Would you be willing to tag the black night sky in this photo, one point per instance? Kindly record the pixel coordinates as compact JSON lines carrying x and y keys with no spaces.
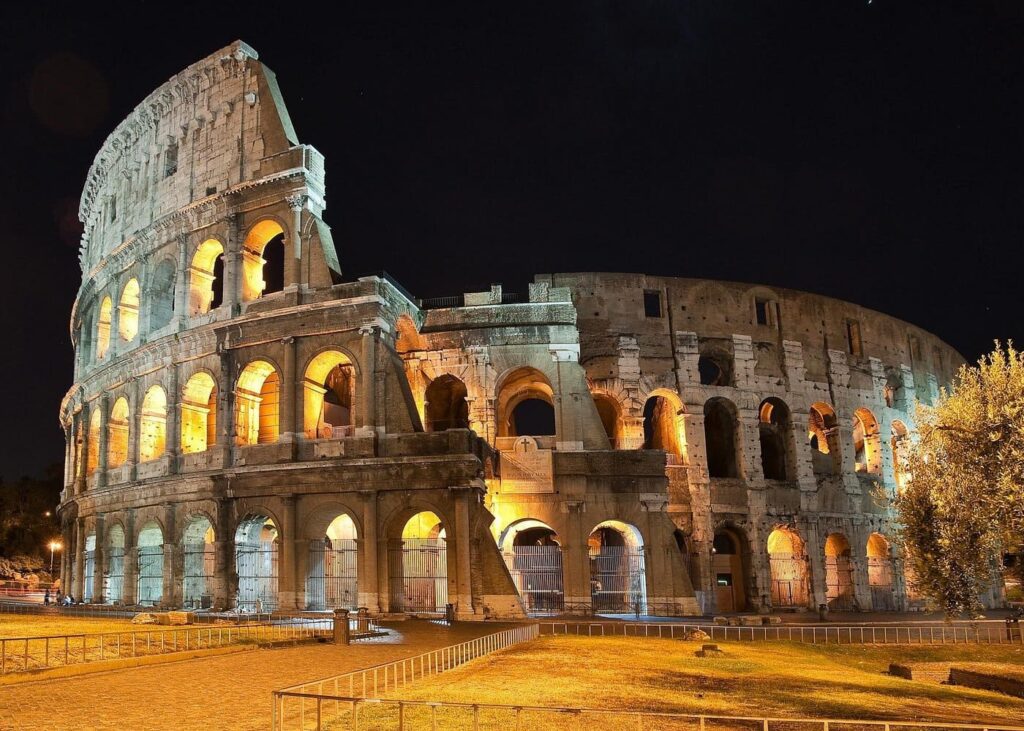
{"x":871,"y":151}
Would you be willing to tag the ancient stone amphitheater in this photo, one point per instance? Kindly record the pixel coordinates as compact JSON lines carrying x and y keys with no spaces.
{"x":248,"y":428}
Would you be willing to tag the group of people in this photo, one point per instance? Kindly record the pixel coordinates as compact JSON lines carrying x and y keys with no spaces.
{"x":59,"y":599}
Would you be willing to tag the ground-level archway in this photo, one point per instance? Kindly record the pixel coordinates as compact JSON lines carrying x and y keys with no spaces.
{"x":150,"y":582}
{"x":113,"y":574}
{"x":618,"y":575}
{"x":534,"y":558}
{"x":838,"y":573}
{"x":333,"y":578}
{"x":256,"y":559}
{"x":880,"y":578}
{"x":788,"y":564}
{"x":727,"y":567}
{"x":418,"y":566}
{"x":198,"y":564}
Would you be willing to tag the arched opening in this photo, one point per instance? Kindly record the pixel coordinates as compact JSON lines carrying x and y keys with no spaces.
{"x":788,"y":563}
{"x":150,"y":549}
{"x":727,"y":566}
{"x":714,"y":370}
{"x":89,"y":571}
{"x":534,"y":558}
{"x":608,"y":411}
{"x":103,"y":327}
{"x":113,"y":575}
{"x":329,"y":396}
{"x":618,"y":576}
{"x":117,"y":434}
{"x":198,"y":413}
{"x":446,"y":406}
{"x":418,"y":570}
{"x":206,"y":278}
{"x":257,"y":395}
{"x":776,"y":437}
{"x":880,"y":573}
{"x":153,"y":430}
{"x":256,"y":551}
{"x":720,"y":438}
{"x":333,"y":578}
{"x":525,"y":405}
{"x":865,"y":442}
{"x":261,"y":275}
{"x":199,"y":560}
{"x":161,"y":295}
{"x":663,"y":425}
{"x":823,"y":436}
{"x":128,"y":311}
{"x":899,"y":442}
{"x":92,"y":450}
{"x":838,"y":573}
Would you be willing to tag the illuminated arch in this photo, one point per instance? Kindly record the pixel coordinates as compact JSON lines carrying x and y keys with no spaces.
{"x":838,"y":572}
{"x":198,"y":562}
{"x":880,"y":573}
{"x":206,"y":278}
{"x":255,"y":275}
{"x":720,"y":438}
{"x":128,"y":311}
{"x":618,"y":575}
{"x":92,"y":453}
{"x":113,"y":569}
{"x":867,"y":457}
{"x":153,"y":429}
{"x":117,"y":434}
{"x":103,"y":327}
{"x":525,"y":386}
{"x":778,"y":459}
{"x":332,"y":579}
{"x":899,"y":442}
{"x":823,"y":437}
{"x":787,"y":562}
{"x":445,"y":405}
{"x":198,"y":413}
{"x":663,"y":423}
{"x":257,"y":542}
{"x":329,"y":395}
{"x":258,"y":400}
{"x":150,"y":580}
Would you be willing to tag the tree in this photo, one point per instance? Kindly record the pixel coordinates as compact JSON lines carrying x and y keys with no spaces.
{"x":28,"y":510}
{"x":965,"y":493}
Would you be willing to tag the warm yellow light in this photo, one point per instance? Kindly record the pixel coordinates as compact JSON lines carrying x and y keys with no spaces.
{"x":55,"y":546}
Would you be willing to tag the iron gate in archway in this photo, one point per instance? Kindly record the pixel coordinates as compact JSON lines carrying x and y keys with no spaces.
{"x":418,"y":572}
{"x":537,"y":574}
{"x":333,"y":579}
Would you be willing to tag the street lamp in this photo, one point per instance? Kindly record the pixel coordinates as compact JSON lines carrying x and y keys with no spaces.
{"x":54,"y":546}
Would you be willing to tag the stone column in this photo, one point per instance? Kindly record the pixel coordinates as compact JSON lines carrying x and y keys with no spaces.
{"x":131,"y":561}
{"x":134,"y":427}
{"x":79,"y":578}
{"x":575,"y":559}
{"x":287,"y":427}
{"x":369,"y":551}
{"x":82,"y":435}
{"x":172,"y":445}
{"x":226,"y":407}
{"x":286,"y":583}
{"x":367,"y":415}
{"x":225,"y":580}
{"x":103,"y":404}
{"x":67,"y":544}
{"x":167,"y":598}
{"x":294,"y":254}
{"x":115,"y":321}
{"x":859,"y":559}
{"x":232,"y":265}
{"x":748,"y":446}
{"x":99,"y":559}
{"x":181,"y":283}
{"x":463,"y":548}
{"x":814,"y":546}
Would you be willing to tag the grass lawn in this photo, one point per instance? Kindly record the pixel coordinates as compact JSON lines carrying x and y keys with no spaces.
{"x":774,"y":678}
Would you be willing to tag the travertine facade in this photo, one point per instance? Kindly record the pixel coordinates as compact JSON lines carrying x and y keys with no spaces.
{"x":249,"y":429}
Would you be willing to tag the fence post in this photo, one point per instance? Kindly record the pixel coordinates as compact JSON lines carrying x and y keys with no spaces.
{"x":341,"y":633}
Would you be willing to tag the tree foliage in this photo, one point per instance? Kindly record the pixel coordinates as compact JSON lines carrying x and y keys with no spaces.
{"x":25,"y":527}
{"x":965,"y":493}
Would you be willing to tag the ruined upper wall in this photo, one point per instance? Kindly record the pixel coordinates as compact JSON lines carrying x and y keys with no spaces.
{"x":213,"y":127}
{"x":610,"y":305}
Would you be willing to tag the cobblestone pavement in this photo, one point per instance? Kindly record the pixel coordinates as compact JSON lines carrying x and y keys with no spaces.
{"x":211,"y":694}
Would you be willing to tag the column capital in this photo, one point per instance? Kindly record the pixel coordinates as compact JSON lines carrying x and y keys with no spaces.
{"x":297,"y":201}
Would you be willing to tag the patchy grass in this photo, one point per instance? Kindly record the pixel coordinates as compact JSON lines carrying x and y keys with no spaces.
{"x":776,"y":678}
{"x":38,"y":625}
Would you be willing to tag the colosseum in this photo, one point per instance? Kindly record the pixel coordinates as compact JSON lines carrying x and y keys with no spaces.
{"x":249,"y":429}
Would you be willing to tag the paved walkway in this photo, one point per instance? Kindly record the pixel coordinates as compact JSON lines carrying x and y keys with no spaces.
{"x":211,"y":694}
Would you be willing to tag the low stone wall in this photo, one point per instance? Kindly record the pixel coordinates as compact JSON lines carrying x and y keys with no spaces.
{"x":985,"y":681}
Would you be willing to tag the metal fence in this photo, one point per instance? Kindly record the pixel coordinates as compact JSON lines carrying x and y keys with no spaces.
{"x":537,"y":574}
{"x":303,"y":706}
{"x":617,"y":579}
{"x":350,"y":712}
{"x":982,"y":633}
{"x":419,"y":575}
{"x":333,"y":580}
{"x":21,"y":654}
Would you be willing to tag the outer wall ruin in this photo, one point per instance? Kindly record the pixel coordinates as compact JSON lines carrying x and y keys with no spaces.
{"x":248,"y":429}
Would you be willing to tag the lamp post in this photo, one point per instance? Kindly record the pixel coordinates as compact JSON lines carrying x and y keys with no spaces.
{"x":54,"y":546}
